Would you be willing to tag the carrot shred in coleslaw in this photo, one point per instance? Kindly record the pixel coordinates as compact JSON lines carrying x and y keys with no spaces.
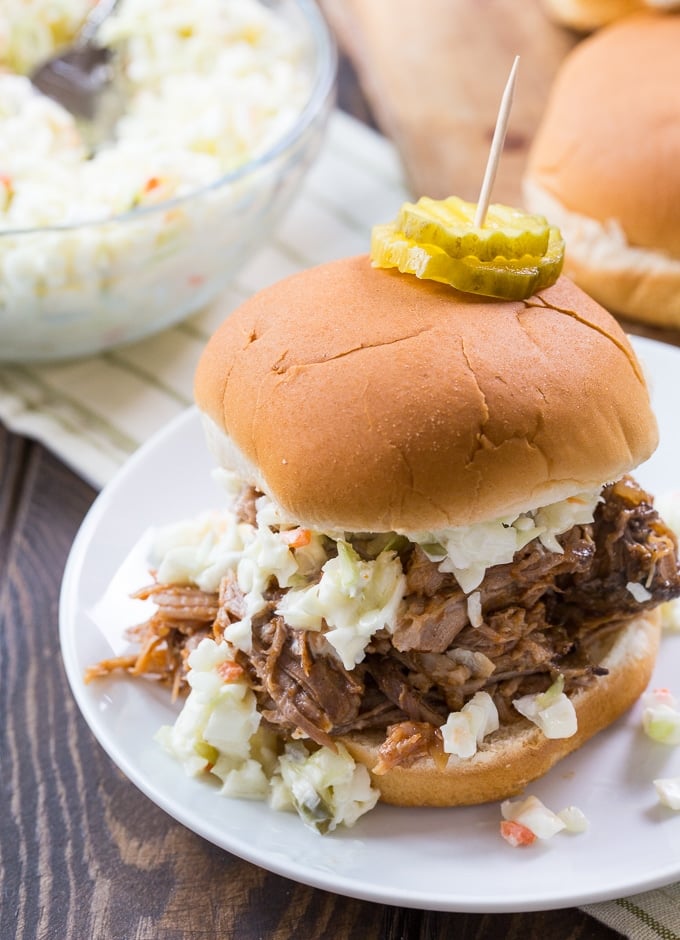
{"x":517,"y":834}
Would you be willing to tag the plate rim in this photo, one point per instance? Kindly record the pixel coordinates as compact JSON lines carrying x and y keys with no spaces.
{"x":335,"y":882}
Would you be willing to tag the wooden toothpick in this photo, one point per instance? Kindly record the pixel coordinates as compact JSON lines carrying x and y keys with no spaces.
{"x":496,"y":147}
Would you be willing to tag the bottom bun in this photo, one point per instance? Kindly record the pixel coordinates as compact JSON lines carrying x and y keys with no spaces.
{"x":514,"y":756}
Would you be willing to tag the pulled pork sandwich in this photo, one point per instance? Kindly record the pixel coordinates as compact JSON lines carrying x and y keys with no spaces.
{"x":437,"y":561}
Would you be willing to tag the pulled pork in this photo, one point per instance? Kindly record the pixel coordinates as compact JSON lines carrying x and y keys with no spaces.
{"x":542,"y":614}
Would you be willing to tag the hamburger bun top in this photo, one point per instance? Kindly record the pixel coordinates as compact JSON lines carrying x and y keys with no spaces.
{"x":368,"y":400}
{"x":608,"y":146}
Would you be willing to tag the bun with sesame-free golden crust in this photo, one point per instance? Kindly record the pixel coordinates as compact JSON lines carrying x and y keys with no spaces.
{"x":604,"y":166}
{"x":368,"y":400}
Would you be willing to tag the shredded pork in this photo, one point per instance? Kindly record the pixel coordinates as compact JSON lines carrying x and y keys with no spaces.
{"x":543,"y":614}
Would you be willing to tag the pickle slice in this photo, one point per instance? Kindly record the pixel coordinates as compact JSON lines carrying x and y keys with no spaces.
{"x":506,"y":278}
{"x":449,"y":224}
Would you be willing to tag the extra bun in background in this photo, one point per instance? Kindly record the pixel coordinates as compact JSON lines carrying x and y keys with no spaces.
{"x":368,"y":400}
{"x":587,"y":15}
{"x":605,"y":167}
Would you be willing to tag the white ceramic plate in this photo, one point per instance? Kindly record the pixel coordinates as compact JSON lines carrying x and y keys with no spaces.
{"x":433,"y":859}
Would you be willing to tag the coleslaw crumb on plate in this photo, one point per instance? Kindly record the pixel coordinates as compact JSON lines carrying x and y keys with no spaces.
{"x":661,"y":717}
{"x":668,"y":792}
{"x":525,"y":821}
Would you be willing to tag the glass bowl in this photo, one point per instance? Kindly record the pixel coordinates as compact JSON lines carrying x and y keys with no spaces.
{"x":74,"y":290}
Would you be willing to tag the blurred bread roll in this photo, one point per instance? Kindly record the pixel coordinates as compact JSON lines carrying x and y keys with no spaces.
{"x":605,"y":166}
{"x":587,"y":15}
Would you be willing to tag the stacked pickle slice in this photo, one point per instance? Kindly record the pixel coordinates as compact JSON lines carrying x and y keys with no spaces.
{"x":512,"y":256}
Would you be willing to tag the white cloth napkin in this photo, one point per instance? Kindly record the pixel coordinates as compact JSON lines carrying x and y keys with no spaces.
{"x":93,"y":413}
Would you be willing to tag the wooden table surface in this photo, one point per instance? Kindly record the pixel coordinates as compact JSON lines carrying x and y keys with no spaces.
{"x":83,"y":853}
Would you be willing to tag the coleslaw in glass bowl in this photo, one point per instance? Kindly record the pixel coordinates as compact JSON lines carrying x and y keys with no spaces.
{"x":226,"y":102}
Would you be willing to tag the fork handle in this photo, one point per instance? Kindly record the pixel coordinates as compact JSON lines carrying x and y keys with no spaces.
{"x":96,"y":16}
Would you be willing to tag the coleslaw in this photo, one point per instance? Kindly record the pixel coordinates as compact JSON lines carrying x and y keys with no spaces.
{"x":207,"y":86}
{"x":93,"y":250}
{"x":467,"y":551}
{"x":552,"y":711}
{"x":219,"y":732}
{"x":525,"y":821}
{"x":661,"y":716}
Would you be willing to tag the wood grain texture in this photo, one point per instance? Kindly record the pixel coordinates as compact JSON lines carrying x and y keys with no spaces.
{"x":433,"y":73}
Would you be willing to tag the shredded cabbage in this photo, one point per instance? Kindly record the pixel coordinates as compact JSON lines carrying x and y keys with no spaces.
{"x":354,"y":598}
{"x":199,"y":551}
{"x":661,"y":723}
{"x":552,"y":711}
{"x":574,"y":819}
{"x":660,"y":716}
{"x":467,"y":551}
{"x":326,"y":789}
{"x":474,"y":609}
{"x":639,"y":592}
{"x":349,"y":597}
{"x":32,"y":30}
{"x":218,"y":729}
{"x":465,"y":730}
{"x":208,"y":85}
{"x":533,"y":814}
{"x":668,"y":791}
